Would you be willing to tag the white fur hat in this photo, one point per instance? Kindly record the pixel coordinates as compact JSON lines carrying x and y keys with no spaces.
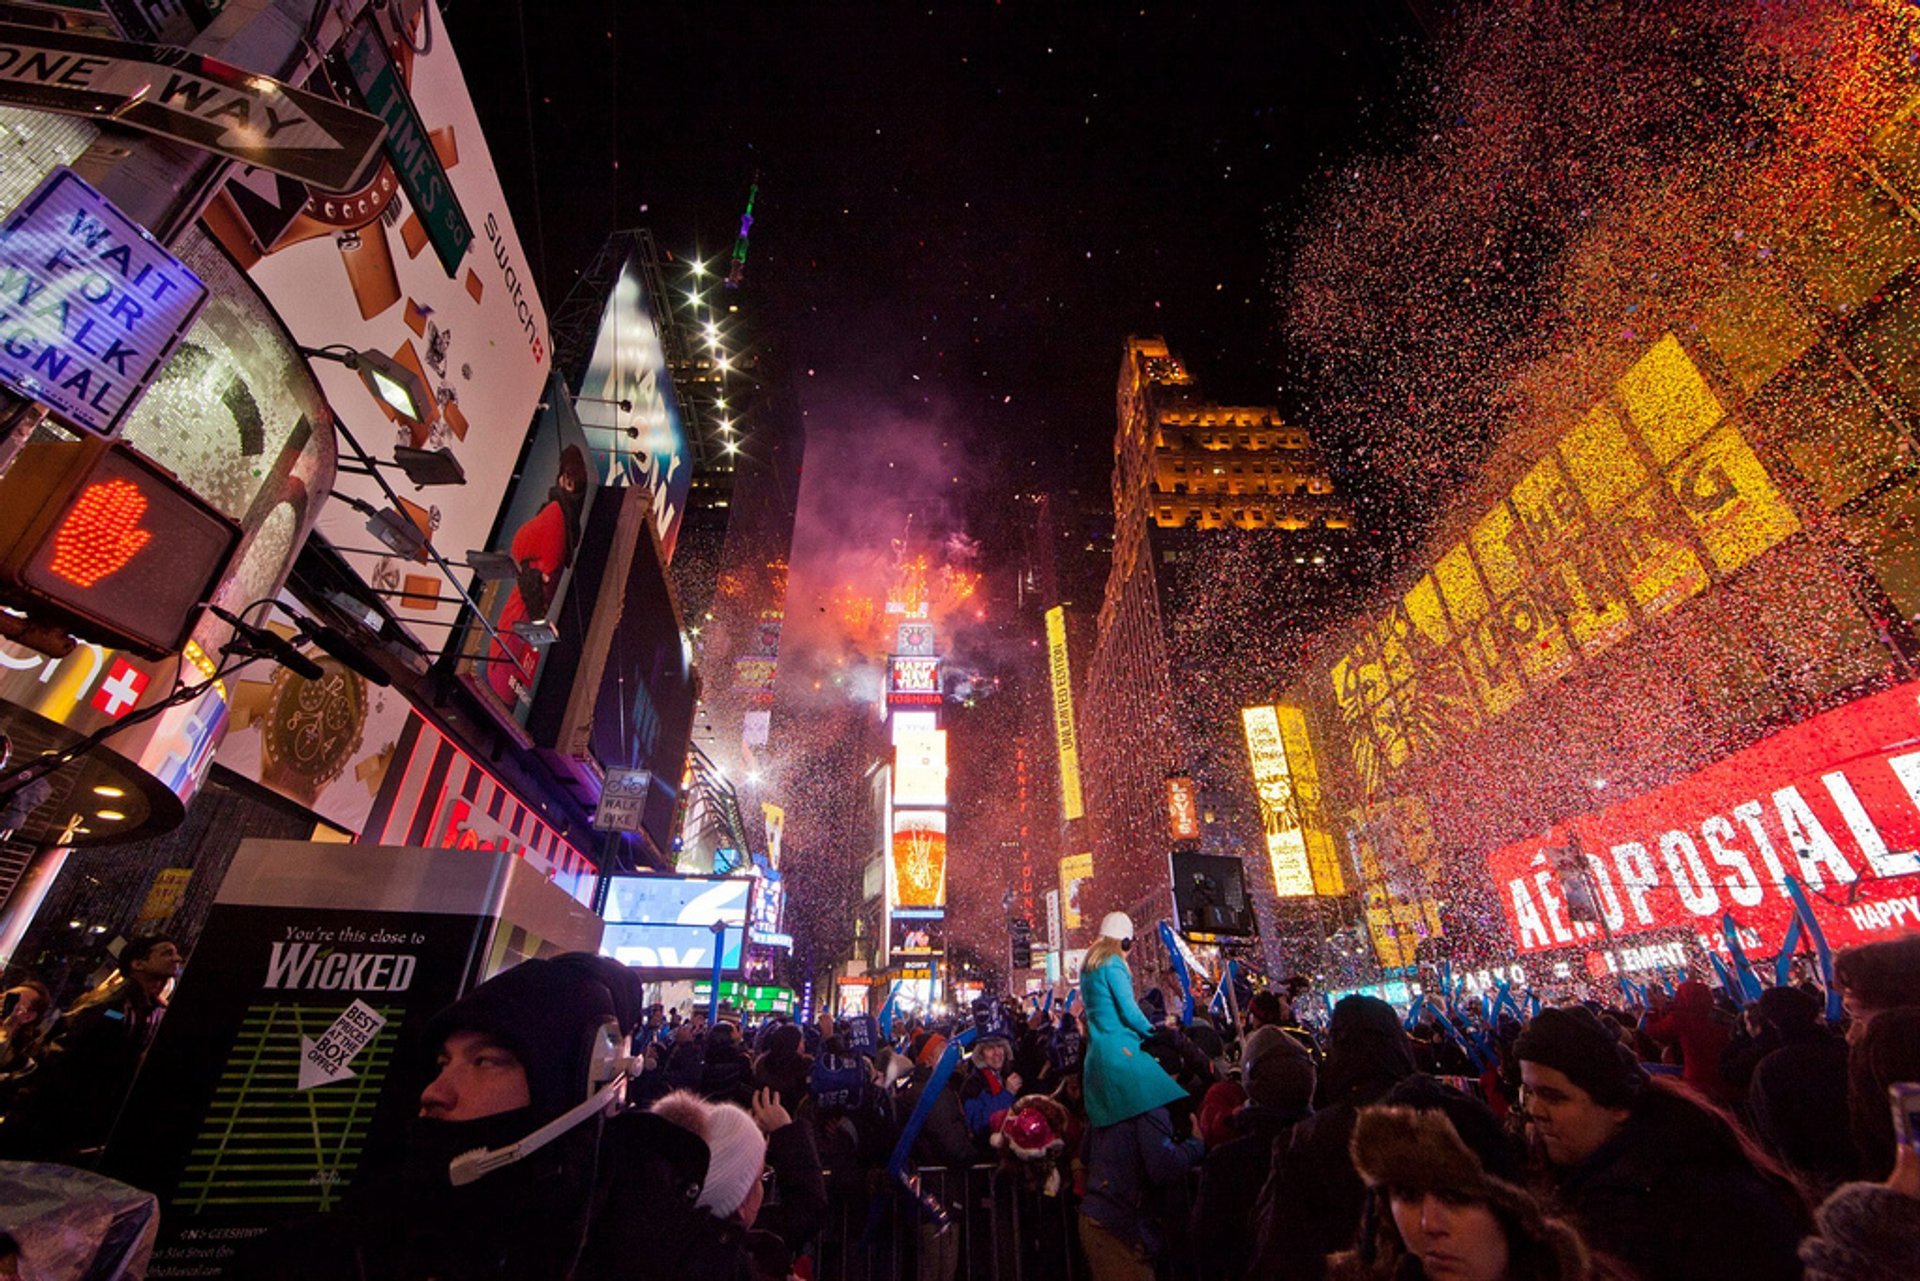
{"x":736,"y":1149}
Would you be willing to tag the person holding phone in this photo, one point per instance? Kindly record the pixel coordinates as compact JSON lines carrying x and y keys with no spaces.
{"x":1871,"y":1231}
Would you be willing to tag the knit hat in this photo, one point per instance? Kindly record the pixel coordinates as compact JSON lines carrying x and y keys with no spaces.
{"x":1281,"y":1076}
{"x":1406,"y":1150}
{"x":736,"y":1149}
{"x":1867,"y":1233}
{"x":1789,"y":1009}
{"x":548,"y":1013}
{"x":932,"y":1046}
{"x":1576,"y":1044}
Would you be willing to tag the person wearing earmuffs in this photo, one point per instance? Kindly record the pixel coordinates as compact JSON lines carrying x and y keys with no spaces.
{"x":523,"y":1163}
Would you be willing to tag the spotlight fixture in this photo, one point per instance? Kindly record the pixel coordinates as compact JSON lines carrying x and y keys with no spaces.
{"x":536,"y":631}
{"x":429,"y":466}
{"x":392,"y":383}
{"x":493,"y":567}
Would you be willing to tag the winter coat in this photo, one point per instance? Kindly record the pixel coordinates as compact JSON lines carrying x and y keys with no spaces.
{"x":1231,"y":1177}
{"x":1672,"y":1199}
{"x":797,"y":1210}
{"x":944,"y":1139}
{"x":982,"y":1094}
{"x":1127,"y":1164}
{"x":66,"y":1109}
{"x":1798,"y":1100}
{"x":1312,"y":1201}
{"x":1867,"y":1233}
{"x":726,"y":1074}
{"x":1119,"y":1078}
{"x":1692,"y":1024}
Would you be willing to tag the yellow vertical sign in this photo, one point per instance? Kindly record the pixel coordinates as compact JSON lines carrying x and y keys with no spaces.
{"x":1323,"y":856}
{"x":1279,"y":811}
{"x":1063,"y":732}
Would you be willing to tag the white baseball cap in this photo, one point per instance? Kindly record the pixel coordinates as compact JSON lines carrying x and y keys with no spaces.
{"x":1116,"y":925}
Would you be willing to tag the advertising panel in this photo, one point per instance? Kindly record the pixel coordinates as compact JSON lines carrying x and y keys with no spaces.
{"x":913,"y":682}
{"x":919,"y":858}
{"x":359,"y":269}
{"x":1834,"y":800}
{"x":540,"y":530}
{"x":1075,"y":870}
{"x":663,"y":924}
{"x":1279,"y":809}
{"x":1071,"y":803}
{"x":917,"y":933}
{"x":920,"y":768}
{"x":1183,"y":809}
{"x":1323,"y":854}
{"x":1624,"y":520}
{"x":625,"y":388}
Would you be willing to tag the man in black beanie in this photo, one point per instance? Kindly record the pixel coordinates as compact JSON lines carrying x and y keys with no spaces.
{"x":522,"y":1164}
{"x":1655,"y":1175}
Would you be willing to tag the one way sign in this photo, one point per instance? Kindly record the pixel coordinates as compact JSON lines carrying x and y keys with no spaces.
{"x":191,"y":99}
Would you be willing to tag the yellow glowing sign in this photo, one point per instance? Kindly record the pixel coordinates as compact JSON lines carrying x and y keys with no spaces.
{"x":1622,"y":521}
{"x":919,"y":858}
{"x":1063,"y":732}
{"x":1074,"y":870}
{"x":1279,"y":809}
{"x":1323,"y":855}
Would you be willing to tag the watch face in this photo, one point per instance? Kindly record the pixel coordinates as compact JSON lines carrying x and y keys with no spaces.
{"x":313,"y":728}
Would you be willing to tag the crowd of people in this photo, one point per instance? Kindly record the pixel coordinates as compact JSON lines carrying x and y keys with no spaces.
{"x":568,"y":1130}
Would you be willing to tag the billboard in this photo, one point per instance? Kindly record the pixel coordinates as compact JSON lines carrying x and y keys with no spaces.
{"x":912,"y":681}
{"x":920,"y":768}
{"x":663,"y":924}
{"x":1071,"y":802}
{"x":1626,"y":517}
{"x":1279,"y":809}
{"x":358,"y":269}
{"x":919,"y":858}
{"x":1075,"y":870}
{"x":625,"y":388}
{"x":541,"y":530}
{"x":1323,"y":854}
{"x":1183,"y":809}
{"x":913,"y":933}
{"x":1834,"y":800}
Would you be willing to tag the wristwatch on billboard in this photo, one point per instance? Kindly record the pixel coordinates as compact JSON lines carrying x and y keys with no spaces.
{"x":311,"y":731}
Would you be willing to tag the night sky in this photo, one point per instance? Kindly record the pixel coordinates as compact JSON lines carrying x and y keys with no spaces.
{"x":968,"y":207}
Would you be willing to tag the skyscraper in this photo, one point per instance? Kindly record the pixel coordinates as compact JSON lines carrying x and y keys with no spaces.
{"x":1228,"y":539}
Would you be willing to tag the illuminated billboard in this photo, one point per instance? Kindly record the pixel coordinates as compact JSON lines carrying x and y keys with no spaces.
{"x":625,"y":389}
{"x":1279,"y":810}
{"x":919,"y":858}
{"x":1068,"y":741}
{"x":913,"y":681}
{"x":355,"y":269}
{"x":1323,"y":854}
{"x":1626,"y":517}
{"x":1183,"y":809}
{"x":1834,"y":800}
{"x":920,"y":768}
{"x":914,"y":933}
{"x":664,"y":924}
{"x":1075,"y":871}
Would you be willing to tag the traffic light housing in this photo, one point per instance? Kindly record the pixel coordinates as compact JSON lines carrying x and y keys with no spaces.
{"x":1022,"y":945}
{"x":98,"y":539}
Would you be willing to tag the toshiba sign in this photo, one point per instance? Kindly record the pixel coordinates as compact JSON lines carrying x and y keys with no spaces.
{"x":1834,"y":800}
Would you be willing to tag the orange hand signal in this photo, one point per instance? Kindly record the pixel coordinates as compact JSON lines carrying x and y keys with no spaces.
{"x":101,"y":533}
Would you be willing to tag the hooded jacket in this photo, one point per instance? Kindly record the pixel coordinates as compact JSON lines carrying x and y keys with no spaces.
{"x":1312,"y":1200}
{"x":1692,"y":1024}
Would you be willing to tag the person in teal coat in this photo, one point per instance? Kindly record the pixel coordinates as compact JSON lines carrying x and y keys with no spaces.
{"x":1119,"y":1078}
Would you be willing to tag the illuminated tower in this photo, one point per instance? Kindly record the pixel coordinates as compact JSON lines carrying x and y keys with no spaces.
{"x":1196,"y":486}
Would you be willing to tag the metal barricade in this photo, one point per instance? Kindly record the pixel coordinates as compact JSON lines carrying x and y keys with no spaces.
{"x":1000,"y":1229}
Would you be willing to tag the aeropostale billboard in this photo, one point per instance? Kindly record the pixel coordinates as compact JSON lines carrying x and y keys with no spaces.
{"x":1835,"y":801}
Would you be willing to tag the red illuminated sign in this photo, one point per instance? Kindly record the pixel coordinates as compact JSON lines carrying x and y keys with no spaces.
{"x":101,"y":533}
{"x":102,"y":541}
{"x":913,"y":680}
{"x":1834,"y":801}
{"x":1183,"y":809}
{"x":121,"y":689}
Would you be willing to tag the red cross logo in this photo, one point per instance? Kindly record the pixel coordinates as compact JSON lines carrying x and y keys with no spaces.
{"x":121,"y":689}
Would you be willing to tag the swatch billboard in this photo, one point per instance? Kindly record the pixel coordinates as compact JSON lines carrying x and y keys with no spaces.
{"x":1834,"y":801}
{"x":627,"y":406}
{"x":367,"y":269}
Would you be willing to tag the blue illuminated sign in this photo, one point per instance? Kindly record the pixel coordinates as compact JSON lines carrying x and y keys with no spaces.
{"x":90,"y":304}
